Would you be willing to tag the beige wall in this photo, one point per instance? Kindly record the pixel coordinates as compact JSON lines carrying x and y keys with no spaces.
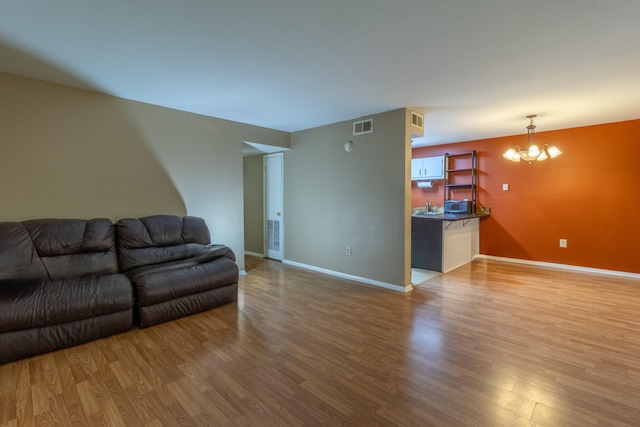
{"x":335,"y":199}
{"x":71,"y":153}
{"x":253,"y":204}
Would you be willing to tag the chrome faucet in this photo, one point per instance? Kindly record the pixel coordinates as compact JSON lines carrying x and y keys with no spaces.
{"x":427,"y":205}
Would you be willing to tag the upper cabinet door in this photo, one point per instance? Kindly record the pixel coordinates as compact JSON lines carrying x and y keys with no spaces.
{"x":416,"y":169}
{"x":434,"y":167}
{"x":427,"y":168}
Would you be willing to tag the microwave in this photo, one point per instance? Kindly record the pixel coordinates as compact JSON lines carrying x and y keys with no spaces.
{"x":457,"y":207}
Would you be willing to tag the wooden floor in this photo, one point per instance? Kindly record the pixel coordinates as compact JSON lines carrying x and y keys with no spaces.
{"x":488,"y":344}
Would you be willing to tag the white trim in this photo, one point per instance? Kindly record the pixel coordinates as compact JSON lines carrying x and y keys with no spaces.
{"x":350,"y":277}
{"x":243,"y":273}
{"x":561,"y":266}
{"x":254,"y":254}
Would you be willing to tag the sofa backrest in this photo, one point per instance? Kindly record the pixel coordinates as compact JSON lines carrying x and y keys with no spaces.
{"x":159,"y":238}
{"x":18,"y":256}
{"x":57,"y":248}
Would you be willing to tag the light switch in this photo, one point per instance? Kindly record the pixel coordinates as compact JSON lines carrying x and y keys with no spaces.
{"x":505,"y":187}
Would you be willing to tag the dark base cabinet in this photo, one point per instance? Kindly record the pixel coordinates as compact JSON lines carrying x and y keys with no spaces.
{"x":426,"y":244}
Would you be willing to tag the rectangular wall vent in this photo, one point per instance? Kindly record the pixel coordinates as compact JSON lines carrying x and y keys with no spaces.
{"x":417,"y":120}
{"x":362,"y":127}
{"x":273,"y":235}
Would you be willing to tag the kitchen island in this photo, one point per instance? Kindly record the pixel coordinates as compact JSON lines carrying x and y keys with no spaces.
{"x":442,"y":241}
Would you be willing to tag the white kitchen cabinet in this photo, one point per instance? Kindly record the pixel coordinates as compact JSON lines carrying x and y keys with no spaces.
{"x":427,"y":168}
{"x":461,"y":242}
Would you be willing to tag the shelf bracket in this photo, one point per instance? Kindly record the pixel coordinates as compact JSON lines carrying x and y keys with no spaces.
{"x":465,"y":222}
{"x":447,"y":224}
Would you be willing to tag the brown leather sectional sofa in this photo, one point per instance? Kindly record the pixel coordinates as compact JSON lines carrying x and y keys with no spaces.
{"x":65,"y":282}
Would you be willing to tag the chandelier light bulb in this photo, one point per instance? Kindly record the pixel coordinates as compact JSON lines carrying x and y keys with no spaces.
{"x":553,"y":151}
{"x":509,"y":154}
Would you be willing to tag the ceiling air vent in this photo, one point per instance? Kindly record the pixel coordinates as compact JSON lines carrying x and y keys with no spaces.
{"x":362,"y":127}
{"x":417,"y":120}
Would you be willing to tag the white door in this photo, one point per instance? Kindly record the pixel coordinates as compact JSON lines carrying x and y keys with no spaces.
{"x":273,"y":203}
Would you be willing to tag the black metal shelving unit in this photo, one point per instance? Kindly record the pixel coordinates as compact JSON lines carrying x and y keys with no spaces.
{"x":463,"y":176}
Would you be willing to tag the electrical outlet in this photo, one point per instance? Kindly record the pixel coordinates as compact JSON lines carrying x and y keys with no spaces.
{"x":563,"y":243}
{"x":348,"y":251}
{"x":505,"y":187}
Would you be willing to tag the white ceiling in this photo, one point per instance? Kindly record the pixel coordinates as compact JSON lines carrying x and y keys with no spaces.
{"x":476,"y":68}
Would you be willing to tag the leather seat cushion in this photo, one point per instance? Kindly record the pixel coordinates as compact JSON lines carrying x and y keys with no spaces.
{"x":171,"y":280}
{"x":40,"y":302}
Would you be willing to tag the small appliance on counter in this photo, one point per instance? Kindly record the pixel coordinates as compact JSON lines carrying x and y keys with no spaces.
{"x":458,"y":207}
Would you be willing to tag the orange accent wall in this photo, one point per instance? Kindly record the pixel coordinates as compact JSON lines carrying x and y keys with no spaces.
{"x":589,"y":195}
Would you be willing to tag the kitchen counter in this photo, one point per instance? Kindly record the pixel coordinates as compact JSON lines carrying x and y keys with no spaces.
{"x":449,"y":216}
{"x":441,"y":216}
{"x":442,"y":241}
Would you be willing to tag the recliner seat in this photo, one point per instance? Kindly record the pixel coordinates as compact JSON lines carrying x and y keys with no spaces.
{"x":174,"y":269}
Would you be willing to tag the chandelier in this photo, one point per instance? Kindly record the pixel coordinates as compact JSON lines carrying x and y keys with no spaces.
{"x":531,"y":152}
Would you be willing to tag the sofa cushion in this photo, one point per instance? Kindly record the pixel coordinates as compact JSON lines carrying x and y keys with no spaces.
{"x":35,"y":303}
{"x":54,"y":237}
{"x":159,"y":239}
{"x":18,"y":256}
{"x":57,"y":248}
{"x":202,"y":255}
{"x":156,"y":284}
{"x":74,"y":247}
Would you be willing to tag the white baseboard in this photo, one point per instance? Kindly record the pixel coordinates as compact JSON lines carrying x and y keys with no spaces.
{"x":350,"y":277}
{"x":254,"y":254}
{"x":561,"y":266}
